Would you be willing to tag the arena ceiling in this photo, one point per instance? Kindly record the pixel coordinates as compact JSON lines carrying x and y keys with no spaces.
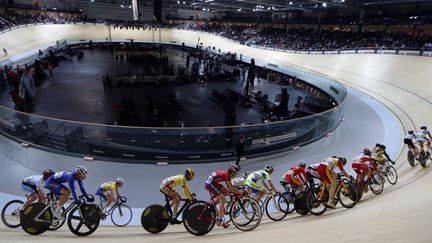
{"x":266,"y":5}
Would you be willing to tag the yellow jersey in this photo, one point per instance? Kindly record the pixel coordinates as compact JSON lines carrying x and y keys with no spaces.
{"x":109,"y":186}
{"x":178,"y":180}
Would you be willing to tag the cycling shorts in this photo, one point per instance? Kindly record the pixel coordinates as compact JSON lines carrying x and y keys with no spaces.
{"x":215,"y":189}
{"x":27,"y":188}
{"x":360,"y":167}
{"x":409,"y":142}
{"x":55,"y":187}
{"x":294,"y":182}
{"x":100,"y":192}
{"x":325,"y":173}
{"x":168,"y":191}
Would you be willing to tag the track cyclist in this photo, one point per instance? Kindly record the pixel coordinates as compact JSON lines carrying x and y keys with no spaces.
{"x":240,"y":182}
{"x":108,"y":191}
{"x":377,"y":155}
{"x":33,"y":187}
{"x":167,"y":189}
{"x":296,"y":176}
{"x":408,"y":140}
{"x":217,"y":190}
{"x":326,"y":171}
{"x":55,"y":184}
{"x":423,"y":136}
{"x":262,"y":176}
{"x":362,"y":165}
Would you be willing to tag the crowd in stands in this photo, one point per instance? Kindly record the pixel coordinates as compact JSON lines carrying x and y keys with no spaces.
{"x":293,"y":38}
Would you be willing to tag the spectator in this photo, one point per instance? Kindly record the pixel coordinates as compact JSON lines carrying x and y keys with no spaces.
{"x":240,"y":149}
{"x":27,"y":88}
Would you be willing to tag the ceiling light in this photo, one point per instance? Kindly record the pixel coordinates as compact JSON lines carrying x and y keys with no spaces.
{"x":290,"y":3}
{"x":324,"y":4}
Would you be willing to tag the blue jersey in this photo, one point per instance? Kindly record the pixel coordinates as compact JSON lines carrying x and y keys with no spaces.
{"x":70,"y":178}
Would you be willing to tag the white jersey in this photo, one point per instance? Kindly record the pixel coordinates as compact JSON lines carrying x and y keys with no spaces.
{"x":410,"y":136}
{"x":238,"y":182}
{"x":421,"y":135}
{"x":36,"y":180}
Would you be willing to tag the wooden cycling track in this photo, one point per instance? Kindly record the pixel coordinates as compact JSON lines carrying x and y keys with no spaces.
{"x":401,"y":83}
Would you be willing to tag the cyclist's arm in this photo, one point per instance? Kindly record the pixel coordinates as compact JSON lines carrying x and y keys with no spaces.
{"x":186,"y":191}
{"x":39,"y":186}
{"x":429,"y":135}
{"x":272,"y":186}
{"x":387,"y":156}
{"x":81,"y":185}
{"x":266,"y":186}
{"x":71,"y":183}
{"x":342,"y":169}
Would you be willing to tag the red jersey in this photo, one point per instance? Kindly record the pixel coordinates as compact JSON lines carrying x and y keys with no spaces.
{"x":218,"y":177}
{"x":297,"y":172}
{"x":364,"y":159}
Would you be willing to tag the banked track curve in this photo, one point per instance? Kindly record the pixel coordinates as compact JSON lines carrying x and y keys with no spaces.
{"x":401,"y":83}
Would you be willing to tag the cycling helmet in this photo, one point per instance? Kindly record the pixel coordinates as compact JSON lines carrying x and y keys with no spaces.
{"x":233,"y":168}
{"x":367,"y":152}
{"x":47,"y":173}
{"x":120,"y":181}
{"x":190,"y":173}
{"x":410,"y":132}
{"x":82,"y":170}
{"x":423,"y":128}
{"x":269,"y":168}
{"x":302,"y":164}
{"x":343,"y":160}
{"x":377,"y":145}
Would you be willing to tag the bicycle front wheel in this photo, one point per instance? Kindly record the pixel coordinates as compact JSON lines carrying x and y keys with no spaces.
{"x":391,"y":175}
{"x":348,"y":195}
{"x":376,"y":184}
{"x":121,"y":215}
{"x":11,"y":215}
{"x":286,"y":202}
{"x":276,"y":210}
{"x":246,"y":214}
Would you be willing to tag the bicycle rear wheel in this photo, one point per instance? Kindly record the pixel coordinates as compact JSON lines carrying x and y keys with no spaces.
{"x":391,"y":175}
{"x":348,"y":195}
{"x":34,"y":221}
{"x":376,"y":184}
{"x":121,"y":215}
{"x":286,"y":202}
{"x":246,"y":214}
{"x":155,"y":218}
{"x":423,"y":159}
{"x":273,"y":208}
{"x":11,"y":215}
{"x":315,"y":205}
{"x":411,"y":158}
{"x":199,"y":218}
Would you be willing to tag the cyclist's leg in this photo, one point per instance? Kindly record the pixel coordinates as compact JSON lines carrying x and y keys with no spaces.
{"x":109,"y":200}
{"x":32,"y":195}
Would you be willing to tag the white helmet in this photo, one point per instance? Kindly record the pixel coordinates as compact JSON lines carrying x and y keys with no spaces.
{"x":120,"y":181}
{"x":82,"y":170}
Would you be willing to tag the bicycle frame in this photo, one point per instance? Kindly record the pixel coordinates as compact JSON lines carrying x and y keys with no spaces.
{"x":233,"y":198}
{"x":51,"y":205}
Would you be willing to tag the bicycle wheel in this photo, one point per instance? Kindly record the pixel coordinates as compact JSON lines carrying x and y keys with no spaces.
{"x":155,"y":218}
{"x":199,"y":218}
{"x":11,"y":215}
{"x":34,"y":220}
{"x":246,"y":214}
{"x":286,"y":202}
{"x":315,"y":205}
{"x":273,"y":208}
{"x":376,"y":184}
{"x":423,"y":159}
{"x":300,"y":203}
{"x":391,"y":175}
{"x":411,"y":158}
{"x":57,"y":224}
{"x":348,"y":195}
{"x":359,"y":188}
{"x":121,"y":215}
{"x":87,"y":215}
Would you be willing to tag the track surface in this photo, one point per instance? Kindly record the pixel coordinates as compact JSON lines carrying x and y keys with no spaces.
{"x":401,"y":214}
